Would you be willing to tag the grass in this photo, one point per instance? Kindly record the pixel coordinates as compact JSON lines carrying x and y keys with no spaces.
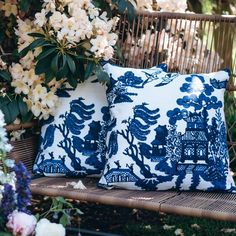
{"x":132,"y":222}
{"x":186,"y":225}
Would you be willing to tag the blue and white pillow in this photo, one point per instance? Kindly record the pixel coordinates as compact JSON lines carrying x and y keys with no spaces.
{"x":167,"y":131}
{"x":73,"y":141}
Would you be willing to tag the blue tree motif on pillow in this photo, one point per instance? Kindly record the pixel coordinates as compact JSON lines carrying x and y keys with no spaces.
{"x":137,"y":127}
{"x":130,"y":80}
{"x":75,"y":146}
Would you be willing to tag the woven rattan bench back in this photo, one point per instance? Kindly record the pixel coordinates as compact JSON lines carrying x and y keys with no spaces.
{"x":187,"y":43}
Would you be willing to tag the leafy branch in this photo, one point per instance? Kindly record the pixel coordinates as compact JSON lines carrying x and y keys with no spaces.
{"x":62,"y":207}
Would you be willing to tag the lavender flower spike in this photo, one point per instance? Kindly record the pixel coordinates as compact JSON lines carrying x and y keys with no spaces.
{"x":8,"y":203}
{"x":22,"y":187}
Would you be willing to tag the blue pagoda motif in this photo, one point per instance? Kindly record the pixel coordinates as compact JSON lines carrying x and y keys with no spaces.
{"x":159,"y":143}
{"x":53,"y":167}
{"x":194,"y":143}
{"x":120,"y":175}
{"x":91,"y":139}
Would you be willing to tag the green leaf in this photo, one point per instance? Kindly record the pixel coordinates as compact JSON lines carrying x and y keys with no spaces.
{"x":23,"y":108}
{"x":4,"y":101}
{"x":78,"y":211}
{"x":64,"y":220}
{"x":5,"y":234}
{"x":37,"y":216}
{"x":54,"y":63}
{"x":102,"y":76}
{"x":25,"y":5}
{"x":7,"y":115}
{"x":28,"y":117}
{"x":71,"y":63}
{"x":79,"y":70}
{"x":36,"y":43}
{"x":131,"y":11}
{"x":122,"y":5}
{"x":5,"y":75}
{"x":89,"y":69}
{"x":62,"y":72}
{"x":37,"y":35}
{"x":81,"y":57}
{"x":61,"y":199}
{"x":45,"y":52}
{"x":14,"y":109}
{"x":72,"y":80}
{"x":49,"y":75}
{"x":43,"y":65}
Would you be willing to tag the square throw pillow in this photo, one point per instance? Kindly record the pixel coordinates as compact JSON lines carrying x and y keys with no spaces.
{"x":73,"y":141}
{"x":167,"y":131}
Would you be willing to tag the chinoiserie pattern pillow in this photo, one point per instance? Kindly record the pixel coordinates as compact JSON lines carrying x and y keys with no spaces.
{"x":73,"y":141}
{"x":167,"y":131}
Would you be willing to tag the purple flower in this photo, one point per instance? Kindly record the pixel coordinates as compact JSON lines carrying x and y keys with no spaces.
{"x":23,"y":178}
{"x":8,"y":204}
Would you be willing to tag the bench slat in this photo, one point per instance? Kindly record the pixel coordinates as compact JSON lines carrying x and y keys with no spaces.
{"x":219,"y":206}
{"x":127,"y":198}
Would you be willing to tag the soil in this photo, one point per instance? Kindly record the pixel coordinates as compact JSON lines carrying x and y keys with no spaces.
{"x":99,"y":218}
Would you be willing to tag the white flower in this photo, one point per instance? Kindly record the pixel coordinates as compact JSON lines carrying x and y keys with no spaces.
{"x":9,"y":163}
{"x":228,"y":230}
{"x":9,"y":178}
{"x":3,"y":65}
{"x":172,"y":5}
{"x":40,"y":18}
{"x":9,"y":9}
{"x":16,"y":70}
{"x":195,"y":226}
{"x":36,"y":109}
{"x":20,"y":87}
{"x":143,"y":4}
{"x":39,"y":93}
{"x":179,"y":232}
{"x":56,"y":20}
{"x":24,"y":28}
{"x":27,"y":61}
{"x":93,"y":12}
{"x":168,"y":227}
{"x":52,"y":229}
{"x":4,"y":146}
{"x":108,"y":53}
{"x":16,"y":135}
{"x":49,"y":5}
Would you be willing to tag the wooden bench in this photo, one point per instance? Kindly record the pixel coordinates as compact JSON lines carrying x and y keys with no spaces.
{"x":217,"y":32}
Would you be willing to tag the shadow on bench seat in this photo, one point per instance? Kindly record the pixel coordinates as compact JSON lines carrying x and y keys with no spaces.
{"x":218,"y":206}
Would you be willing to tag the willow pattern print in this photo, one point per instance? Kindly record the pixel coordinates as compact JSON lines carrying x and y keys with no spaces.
{"x":169,"y":131}
{"x":73,"y":141}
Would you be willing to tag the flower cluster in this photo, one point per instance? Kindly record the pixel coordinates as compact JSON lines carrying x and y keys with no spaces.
{"x":172,"y":5}
{"x":15,"y":196}
{"x":76,"y":22}
{"x":143,"y":4}
{"x":9,"y":7}
{"x":71,"y":30}
{"x":41,"y":99}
